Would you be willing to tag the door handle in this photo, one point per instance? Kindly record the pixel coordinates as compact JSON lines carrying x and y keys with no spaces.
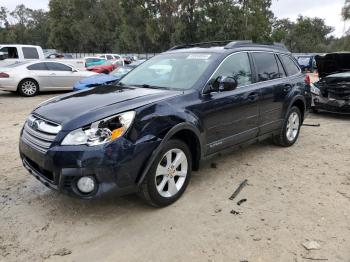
{"x":287,"y":88}
{"x":253,"y":96}
{"x":52,"y":74}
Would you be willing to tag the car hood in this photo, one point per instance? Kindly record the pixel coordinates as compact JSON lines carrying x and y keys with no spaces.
{"x":333,"y":63}
{"x":98,"y":79}
{"x":78,"y":109}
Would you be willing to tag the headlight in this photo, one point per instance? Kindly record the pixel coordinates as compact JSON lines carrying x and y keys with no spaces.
{"x":315,"y":90}
{"x":101,"y":132}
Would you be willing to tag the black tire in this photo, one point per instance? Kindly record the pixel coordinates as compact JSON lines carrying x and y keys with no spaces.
{"x":28,"y":88}
{"x":148,"y":189}
{"x":106,"y":72}
{"x":282,"y":139}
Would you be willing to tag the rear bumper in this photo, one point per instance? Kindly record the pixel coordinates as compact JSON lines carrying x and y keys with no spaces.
{"x":7,"y":84}
{"x":115,"y":167}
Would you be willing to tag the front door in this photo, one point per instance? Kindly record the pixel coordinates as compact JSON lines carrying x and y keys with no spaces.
{"x":62,"y":76}
{"x":231,"y":117}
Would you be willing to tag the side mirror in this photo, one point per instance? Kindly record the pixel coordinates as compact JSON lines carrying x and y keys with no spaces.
{"x":224,"y":83}
{"x":2,"y":56}
{"x":74,"y":70}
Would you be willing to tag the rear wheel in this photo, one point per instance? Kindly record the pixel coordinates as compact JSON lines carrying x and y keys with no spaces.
{"x":291,"y":128}
{"x":169,"y":175}
{"x":28,"y":87}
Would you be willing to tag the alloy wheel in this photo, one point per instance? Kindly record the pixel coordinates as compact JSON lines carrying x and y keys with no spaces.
{"x":171,"y":173}
{"x":293,"y":126}
{"x":29,"y":88}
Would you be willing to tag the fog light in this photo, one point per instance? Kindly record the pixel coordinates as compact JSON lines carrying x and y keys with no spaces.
{"x":86,"y":184}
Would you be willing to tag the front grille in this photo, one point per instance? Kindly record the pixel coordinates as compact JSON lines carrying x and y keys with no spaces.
{"x":41,"y":171}
{"x":39,"y":133}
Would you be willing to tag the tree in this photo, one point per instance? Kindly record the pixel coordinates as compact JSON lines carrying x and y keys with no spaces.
{"x":299,"y":38}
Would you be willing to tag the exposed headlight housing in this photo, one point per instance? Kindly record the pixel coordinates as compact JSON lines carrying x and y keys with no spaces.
{"x":315,"y":90}
{"x":101,"y":132}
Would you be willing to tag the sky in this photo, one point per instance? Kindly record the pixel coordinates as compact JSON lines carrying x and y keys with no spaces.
{"x":330,"y":10}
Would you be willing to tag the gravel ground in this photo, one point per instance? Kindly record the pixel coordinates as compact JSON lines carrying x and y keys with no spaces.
{"x":294,"y":195}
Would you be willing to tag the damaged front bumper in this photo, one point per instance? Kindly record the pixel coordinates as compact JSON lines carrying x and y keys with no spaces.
{"x":332,"y":100}
{"x":330,"y":104}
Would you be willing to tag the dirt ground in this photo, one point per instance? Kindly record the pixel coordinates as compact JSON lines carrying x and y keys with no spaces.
{"x":294,"y":195}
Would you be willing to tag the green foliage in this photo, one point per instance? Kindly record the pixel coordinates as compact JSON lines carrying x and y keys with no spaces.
{"x":303,"y":36}
{"x":156,"y":25}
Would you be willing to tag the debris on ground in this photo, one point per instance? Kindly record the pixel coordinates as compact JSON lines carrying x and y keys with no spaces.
{"x":311,"y":245}
{"x":312,"y":125}
{"x":315,"y":259}
{"x":218,"y":210}
{"x":344,"y":195}
{"x":213,"y":165}
{"x":240,"y":202}
{"x":62,"y":252}
{"x":243,"y":184}
{"x":234,"y":212}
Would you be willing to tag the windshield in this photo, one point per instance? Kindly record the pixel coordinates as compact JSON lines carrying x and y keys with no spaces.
{"x":121,"y":71}
{"x":177,"y":71}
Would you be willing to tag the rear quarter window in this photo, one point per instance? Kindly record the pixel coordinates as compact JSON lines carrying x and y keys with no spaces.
{"x":289,"y":65}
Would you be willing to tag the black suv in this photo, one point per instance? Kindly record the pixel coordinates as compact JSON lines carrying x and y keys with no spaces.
{"x":148,"y":132}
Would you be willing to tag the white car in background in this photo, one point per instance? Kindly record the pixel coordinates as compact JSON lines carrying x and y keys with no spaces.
{"x":110,"y":56}
{"x":28,"y":78}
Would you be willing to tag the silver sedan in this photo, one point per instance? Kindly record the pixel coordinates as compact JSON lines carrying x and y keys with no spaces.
{"x":28,"y":78}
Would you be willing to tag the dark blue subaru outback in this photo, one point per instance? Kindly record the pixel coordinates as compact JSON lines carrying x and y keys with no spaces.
{"x":148,"y":132}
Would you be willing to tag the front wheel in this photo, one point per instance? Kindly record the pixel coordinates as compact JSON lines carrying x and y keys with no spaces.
{"x":169,"y":175}
{"x":291,"y":128}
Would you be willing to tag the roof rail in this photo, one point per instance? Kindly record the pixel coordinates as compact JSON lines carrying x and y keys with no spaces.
{"x":236,"y":44}
{"x":202,"y":44}
{"x":230,"y":44}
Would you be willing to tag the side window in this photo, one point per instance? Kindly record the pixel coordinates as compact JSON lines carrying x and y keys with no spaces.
{"x":236,"y":66}
{"x":58,"y":67}
{"x":30,"y":53}
{"x":10,"y":52}
{"x":109,"y":57}
{"x":280,"y":67}
{"x":289,"y":65}
{"x":266,"y":66}
{"x":38,"y":66}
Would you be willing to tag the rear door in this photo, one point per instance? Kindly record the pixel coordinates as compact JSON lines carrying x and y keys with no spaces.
{"x":273,"y":85}
{"x":62,"y":76}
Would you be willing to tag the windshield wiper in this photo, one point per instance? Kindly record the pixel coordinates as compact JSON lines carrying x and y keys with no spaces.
{"x":151,"y":86}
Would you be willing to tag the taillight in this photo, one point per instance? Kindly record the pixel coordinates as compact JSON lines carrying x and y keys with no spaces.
{"x":4,"y":75}
{"x":307,"y":80}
